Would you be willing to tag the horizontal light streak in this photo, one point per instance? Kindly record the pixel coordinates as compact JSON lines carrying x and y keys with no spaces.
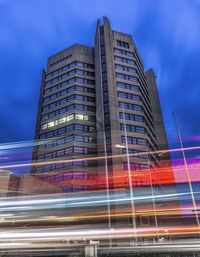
{"x":84,"y":200}
{"x":151,"y":212}
{"x":96,"y":233}
{"x":95,"y":158}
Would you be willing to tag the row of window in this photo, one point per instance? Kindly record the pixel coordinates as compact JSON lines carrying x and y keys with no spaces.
{"x":129,"y":96}
{"x":66,"y":151}
{"x":65,"y":176}
{"x":70,"y":73}
{"x":71,"y":138}
{"x":125,"y":68}
{"x":135,"y":166}
{"x":136,"y":153}
{"x":130,"y":106}
{"x":138,"y":118}
{"x":68,"y":128}
{"x":68,"y":118}
{"x":61,"y":60}
{"x":132,"y":128}
{"x":74,"y":188}
{"x":123,"y":52}
{"x":69,"y":66}
{"x":68,"y":82}
{"x":126,"y":77}
{"x":124,"y":60}
{"x":133,"y":140}
{"x":68,"y":91}
{"x":122,"y":44}
{"x":68,"y":99}
{"x":133,"y":117}
{"x":61,"y":165}
{"x":67,"y":109}
{"x":127,"y":86}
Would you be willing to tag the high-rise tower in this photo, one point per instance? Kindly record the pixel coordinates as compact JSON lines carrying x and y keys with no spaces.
{"x":98,"y":102}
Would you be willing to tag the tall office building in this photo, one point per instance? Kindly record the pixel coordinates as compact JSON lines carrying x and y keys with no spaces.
{"x":95,"y":102}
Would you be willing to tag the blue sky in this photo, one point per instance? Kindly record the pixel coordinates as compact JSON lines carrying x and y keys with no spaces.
{"x":166,"y":33}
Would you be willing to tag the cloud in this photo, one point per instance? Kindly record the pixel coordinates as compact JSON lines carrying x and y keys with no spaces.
{"x":166,"y":33}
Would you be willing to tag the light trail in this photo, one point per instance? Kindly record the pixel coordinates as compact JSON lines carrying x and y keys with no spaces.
{"x":150,"y":212}
{"x":96,"y":158}
{"x":91,"y":234}
{"x":84,"y":200}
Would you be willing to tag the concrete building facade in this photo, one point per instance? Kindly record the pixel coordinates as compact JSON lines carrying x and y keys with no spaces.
{"x":97,"y":102}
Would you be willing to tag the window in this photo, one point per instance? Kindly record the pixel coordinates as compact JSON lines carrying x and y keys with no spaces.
{"x":139,"y":118}
{"x":60,"y":141}
{"x":45,"y":108}
{"x":125,"y":68}
{"x":61,"y":130}
{"x":140,"y":129}
{"x":79,"y":163}
{"x":123,"y":52}
{"x":69,"y":128}
{"x":49,"y":145}
{"x":129,"y":96}
{"x":79,"y":97}
{"x":78,"y":175}
{"x":72,"y":72}
{"x":133,"y":140}
{"x":67,"y":189}
{"x":50,"y":124}
{"x":69,"y":139}
{"x":70,"y":117}
{"x":130,"y":106}
{"x":127,"y":86}
{"x":80,"y":80}
{"x":141,"y":141}
{"x":80,"y":64}
{"x":81,"y":72}
{"x":67,"y":67}
{"x":50,"y":134}
{"x":78,"y":149}
{"x":78,"y":127}
{"x":120,"y":76}
{"x":47,"y":179}
{"x":77,"y":188}
{"x":126,"y":77}
{"x":117,"y":51}
{"x":62,"y":120}
{"x":132,"y":128}
{"x":58,"y":178}
{"x":44,"y":126}
{"x":60,"y":153}
{"x":122,"y":44}
{"x":118,"y":67}
{"x":79,"y":138}
{"x":67,"y":176}
{"x":133,"y":166}
{"x":79,"y":107}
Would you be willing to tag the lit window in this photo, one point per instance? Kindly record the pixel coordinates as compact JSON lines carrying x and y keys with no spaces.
{"x":50,"y":124}
{"x":70,"y":117}
{"x":62,"y":120}
{"x":78,"y":116}
{"x":55,"y":122}
{"x":44,"y":126}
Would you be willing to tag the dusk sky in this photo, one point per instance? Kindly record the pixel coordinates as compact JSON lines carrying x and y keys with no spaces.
{"x":167,"y":34}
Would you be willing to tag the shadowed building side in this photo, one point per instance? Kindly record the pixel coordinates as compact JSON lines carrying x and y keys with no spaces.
{"x":161,"y":137}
